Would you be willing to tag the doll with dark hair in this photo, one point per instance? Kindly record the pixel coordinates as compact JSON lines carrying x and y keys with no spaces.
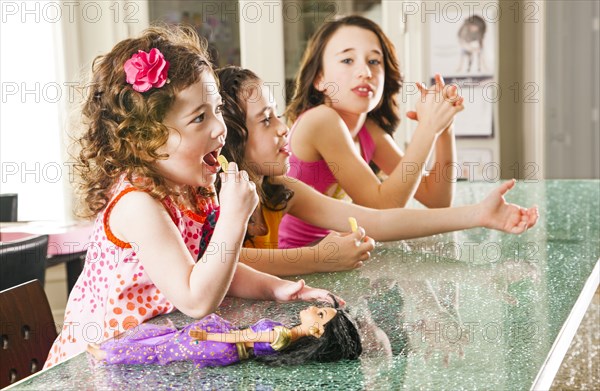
{"x":324,"y":334}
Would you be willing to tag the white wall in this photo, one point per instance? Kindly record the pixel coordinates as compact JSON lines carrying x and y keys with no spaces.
{"x":261,"y":44}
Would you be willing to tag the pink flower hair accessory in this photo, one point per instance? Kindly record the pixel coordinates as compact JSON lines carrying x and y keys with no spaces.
{"x":146,"y":70}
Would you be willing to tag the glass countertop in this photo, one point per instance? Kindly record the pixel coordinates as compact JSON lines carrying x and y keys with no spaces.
{"x":475,"y":309}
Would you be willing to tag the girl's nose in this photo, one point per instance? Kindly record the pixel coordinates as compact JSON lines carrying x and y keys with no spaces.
{"x":219,"y":130}
{"x":283,"y":130}
{"x":365,"y":72}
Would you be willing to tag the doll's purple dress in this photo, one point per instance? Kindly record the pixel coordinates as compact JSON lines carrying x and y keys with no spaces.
{"x":154,"y":344}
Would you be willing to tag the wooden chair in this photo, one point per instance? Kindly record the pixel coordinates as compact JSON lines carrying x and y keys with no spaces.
{"x":23,"y":260}
{"x":9,"y":204}
{"x":27,"y":329}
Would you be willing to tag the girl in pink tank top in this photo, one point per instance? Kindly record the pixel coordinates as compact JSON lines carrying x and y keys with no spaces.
{"x":148,"y":164}
{"x":345,"y":111}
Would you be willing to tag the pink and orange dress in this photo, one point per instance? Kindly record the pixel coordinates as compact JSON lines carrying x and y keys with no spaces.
{"x":114,"y":293}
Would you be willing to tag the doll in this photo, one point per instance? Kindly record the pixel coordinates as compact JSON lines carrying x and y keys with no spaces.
{"x":324,"y":334}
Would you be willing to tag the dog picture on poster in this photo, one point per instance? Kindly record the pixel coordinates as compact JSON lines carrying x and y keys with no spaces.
{"x":462,"y":49}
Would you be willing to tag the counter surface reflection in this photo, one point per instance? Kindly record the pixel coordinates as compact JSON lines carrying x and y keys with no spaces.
{"x":464,"y":310}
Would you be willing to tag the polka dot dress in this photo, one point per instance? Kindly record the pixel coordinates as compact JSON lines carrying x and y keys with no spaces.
{"x":113,"y":292}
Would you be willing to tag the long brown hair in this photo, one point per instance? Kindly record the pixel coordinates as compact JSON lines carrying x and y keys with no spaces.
{"x":306,"y":96}
{"x":123,"y":128}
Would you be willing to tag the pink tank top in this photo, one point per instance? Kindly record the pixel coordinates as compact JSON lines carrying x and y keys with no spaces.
{"x":294,"y":232}
{"x":114,"y":293}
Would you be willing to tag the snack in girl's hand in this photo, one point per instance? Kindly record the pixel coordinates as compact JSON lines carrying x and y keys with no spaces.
{"x":223,"y":162}
{"x":353,"y":224}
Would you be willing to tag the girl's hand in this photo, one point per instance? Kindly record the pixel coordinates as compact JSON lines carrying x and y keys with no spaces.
{"x":299,"y":291}
{"x":337,"y":252}
{"x":496,"y":213}
{"x":238,"y":193}
{"x":96,"y":351}
{"x":438,"y":106}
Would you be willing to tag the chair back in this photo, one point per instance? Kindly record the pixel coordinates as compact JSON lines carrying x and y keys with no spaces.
{"x":27,"y":329}
{"x":9,"y":204}
{"x":23,"y":260}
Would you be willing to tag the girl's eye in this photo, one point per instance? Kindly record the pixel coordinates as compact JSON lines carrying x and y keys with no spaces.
{"x":199,"y":118}
{"x":220,"y":108}
{"x":374,"y":62}
{"x":267,"y":121}
{"x":321,"y":315}
{"x":347,"y":61}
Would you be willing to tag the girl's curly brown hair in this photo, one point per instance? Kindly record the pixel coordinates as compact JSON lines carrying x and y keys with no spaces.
{"x":123,"y":128}
{"x":307,"y":96}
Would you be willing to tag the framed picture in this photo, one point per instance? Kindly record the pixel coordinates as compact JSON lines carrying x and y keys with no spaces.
{"x":462,"y":50}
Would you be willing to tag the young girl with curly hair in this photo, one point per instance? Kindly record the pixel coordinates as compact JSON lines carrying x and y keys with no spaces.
{"x":148,"y":162}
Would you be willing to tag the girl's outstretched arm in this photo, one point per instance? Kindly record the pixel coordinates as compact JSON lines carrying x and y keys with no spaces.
{"x":196,"y":289}
{"x":249,"y":283}
{"x":400,"y":223}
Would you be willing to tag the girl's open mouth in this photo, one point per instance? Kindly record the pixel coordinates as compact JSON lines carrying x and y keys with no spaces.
{"x":210,"y":159}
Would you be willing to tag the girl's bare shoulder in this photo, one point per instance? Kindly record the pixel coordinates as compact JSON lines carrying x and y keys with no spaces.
{"x":318,"y":118}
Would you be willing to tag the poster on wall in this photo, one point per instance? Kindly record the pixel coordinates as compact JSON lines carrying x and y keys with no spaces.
{"x":462,"y":49}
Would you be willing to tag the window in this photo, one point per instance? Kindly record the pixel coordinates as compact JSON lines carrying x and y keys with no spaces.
{"x":32,"y":161}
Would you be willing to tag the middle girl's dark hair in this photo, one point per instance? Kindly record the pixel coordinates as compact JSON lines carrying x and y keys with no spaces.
{"x":340,"y":341}
{"x":236,"y":84}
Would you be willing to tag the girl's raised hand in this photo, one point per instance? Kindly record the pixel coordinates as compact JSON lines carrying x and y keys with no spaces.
{"x":299,"y":291}
{"x":438,"y":105}
{"x":238,"y":193}
{"x":496,"y":213}
{"x":337,"y":252}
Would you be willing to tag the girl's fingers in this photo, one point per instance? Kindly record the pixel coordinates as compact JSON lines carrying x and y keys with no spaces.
{"x":439,"y":82}
{"x":423,"y":90}
{"x":232,"y":168}
{"x":533,"y":215}
{"x":450,"y":93}
{"x":506,"y":186}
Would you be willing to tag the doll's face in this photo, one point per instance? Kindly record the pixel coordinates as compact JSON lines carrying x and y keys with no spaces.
{"x":314,"y":319}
